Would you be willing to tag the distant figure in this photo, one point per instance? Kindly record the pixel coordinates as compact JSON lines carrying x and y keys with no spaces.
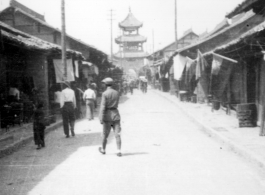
{"x":39,"y":126}
{"x":89,"y":97}
{"x":68,"y":105}
{"x":145,"y":86}
{"x":94,"y":88}
{"x":125,"y":88}
{"x":131,"y":86}
{"x":109,"y":115}
{"x":142,"y":86}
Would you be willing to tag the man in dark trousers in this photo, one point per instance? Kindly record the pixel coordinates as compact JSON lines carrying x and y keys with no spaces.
{"x":39,"y":126}
{"x":68,"y":104}
{"x":109,"y":115}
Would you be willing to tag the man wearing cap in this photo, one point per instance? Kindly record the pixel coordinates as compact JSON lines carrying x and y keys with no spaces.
{"x":68,"y":105}
{"x":109,"y":115}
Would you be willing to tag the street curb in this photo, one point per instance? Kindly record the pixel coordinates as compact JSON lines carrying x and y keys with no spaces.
{"x":9,"y":149}
{"x":239,"y":150}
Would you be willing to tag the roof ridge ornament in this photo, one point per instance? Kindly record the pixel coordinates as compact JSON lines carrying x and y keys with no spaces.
{"x":130,"y":11}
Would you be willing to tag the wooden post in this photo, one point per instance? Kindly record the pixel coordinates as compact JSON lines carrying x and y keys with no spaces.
{"x":63,"y":41}
{"x":228,"y":111}
{"x":262,"y":96}
{"x":244,"y":84}
{"x":173,"y":89}
{"x":176,"y":32}
{"x":262,"y":130}
{"x":153,"y":41}
{"x":46,"y":88}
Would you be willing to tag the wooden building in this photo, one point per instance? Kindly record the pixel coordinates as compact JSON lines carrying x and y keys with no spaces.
{"x":26,"y":61}
{"x":165,"y":63}
{"x":242,"y":42}
{"x":27,"y":20}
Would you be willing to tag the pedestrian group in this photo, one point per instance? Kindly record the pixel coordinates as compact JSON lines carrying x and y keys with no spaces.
{"x":109,"y":115}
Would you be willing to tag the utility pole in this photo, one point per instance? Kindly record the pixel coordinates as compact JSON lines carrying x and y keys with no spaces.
{"x":174,"y":85}
{"x":176,"y":26}
{"x":153,"y":41}
{"x":63,"y":40}
{"x":111,"y":42}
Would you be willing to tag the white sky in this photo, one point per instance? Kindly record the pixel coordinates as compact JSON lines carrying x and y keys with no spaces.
{"x":88,"y":20}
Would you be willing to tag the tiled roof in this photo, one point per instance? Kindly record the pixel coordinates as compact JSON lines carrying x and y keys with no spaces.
{"x":219,"y":27}
{"x":18,"y":5}
{"x":186,"y":33}
{"x":28,"y":41}
{"x":130,"y":22}
{"x":245,"y":6}
{"x":251,"y":32}
{"x":247,"y":16}
{"x":130,"y":38}
{"x":42,"y":22}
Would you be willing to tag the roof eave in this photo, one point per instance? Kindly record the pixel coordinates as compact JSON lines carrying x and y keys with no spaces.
{"x":196,"y":45}
{"x":44,"y":23}
{"x":243,"y":7}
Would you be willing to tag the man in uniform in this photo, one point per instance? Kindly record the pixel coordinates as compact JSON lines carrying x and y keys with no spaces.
{"x":109,"y":115}
{"x":68,"y":105}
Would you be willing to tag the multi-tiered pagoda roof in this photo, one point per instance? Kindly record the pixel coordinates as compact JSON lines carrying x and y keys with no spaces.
{"x":131,"y":43}
{"x":130,"y":23}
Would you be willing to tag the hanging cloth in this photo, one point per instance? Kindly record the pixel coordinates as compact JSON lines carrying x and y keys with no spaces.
{"x":96,"y":70}
{"x":201,"y":76}
{"x":220,"y":75}
{"x":159,"y":72}
{"x":59,"y":70}
{"x":190,"y":70}
{"x":171,"y":70}
{"x":179,"y":65}
{"x":76,"y":68}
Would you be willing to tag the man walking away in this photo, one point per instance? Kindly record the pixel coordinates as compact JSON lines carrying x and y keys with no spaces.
{"x":68,"y":105}
{"x":90,"y":98}
{"x":39,"y":126}
{"x":109,"y":115}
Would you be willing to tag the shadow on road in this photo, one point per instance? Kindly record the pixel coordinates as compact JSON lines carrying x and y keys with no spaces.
{"x":27,"y":168}
{"x":134,"y":153}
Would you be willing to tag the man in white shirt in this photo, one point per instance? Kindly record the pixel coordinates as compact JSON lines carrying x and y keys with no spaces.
{"x":68,"y":105}
{"x":90,"y":98}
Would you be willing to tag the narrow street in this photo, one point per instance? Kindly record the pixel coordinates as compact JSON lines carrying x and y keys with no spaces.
{"x":163,"y":153}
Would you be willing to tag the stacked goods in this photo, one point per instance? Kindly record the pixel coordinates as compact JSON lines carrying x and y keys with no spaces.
{"x":216,"y":104}
{"x":247,"y":115}
{"x":183,"y":95}
{"x":193,"y":99}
